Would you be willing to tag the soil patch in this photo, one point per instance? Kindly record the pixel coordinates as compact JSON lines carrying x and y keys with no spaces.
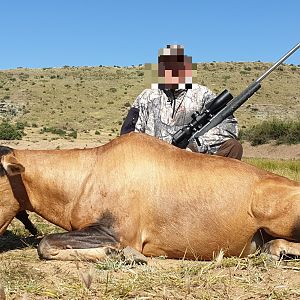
{"x":272,"y":151}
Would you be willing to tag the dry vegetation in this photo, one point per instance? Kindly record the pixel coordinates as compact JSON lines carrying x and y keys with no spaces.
{"x":24,"y":276}
{"x":93,"y":101}
{"x":96,"y":99}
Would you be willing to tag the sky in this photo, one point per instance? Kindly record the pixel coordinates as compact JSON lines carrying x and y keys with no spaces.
{"x":56,"y":33}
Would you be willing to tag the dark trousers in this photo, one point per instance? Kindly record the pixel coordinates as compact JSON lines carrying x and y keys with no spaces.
{"x":231,"y":148}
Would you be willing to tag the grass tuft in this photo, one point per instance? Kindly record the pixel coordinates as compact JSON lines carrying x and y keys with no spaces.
{"x":286,"y":168}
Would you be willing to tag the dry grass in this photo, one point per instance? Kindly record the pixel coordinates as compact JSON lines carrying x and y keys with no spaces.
{"x":23,"y":274}
{"x":286,"y":168}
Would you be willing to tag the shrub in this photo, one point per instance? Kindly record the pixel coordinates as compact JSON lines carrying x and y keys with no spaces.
{"x":113,"y":90}
{"x":21,"y":125}
{"x":54,"y":130}
{"x":10,"y":132}
{"x":283,"y":132}
{"x":60,"y":132}
{"x":73,"y":134}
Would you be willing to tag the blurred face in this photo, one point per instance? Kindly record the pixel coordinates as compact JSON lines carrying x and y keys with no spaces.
{"x":177,"y":74}
{"x":174,"y":70}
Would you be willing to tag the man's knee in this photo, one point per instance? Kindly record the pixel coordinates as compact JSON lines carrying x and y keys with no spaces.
{"x":231,"y":148}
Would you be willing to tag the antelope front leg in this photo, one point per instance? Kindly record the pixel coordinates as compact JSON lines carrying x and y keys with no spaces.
{"x":91,"y":243}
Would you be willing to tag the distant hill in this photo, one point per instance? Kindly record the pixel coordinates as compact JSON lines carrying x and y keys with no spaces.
{"x":96,"y":99}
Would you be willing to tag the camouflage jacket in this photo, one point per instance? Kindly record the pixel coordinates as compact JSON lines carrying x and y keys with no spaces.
{"x":162,"y":112}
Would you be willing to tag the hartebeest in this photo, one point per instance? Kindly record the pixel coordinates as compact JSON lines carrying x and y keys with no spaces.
{"x":143,"y":193}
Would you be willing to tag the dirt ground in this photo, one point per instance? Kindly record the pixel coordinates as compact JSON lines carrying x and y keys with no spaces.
{"x":272,"y":151}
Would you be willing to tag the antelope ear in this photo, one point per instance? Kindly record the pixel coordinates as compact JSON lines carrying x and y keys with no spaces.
{"x":11,"y":165}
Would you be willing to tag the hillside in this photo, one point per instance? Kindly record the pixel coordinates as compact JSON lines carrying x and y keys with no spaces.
{"x":94,"y":100}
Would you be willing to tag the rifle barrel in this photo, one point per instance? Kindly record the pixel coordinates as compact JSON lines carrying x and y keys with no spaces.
{"x":279,"y":62}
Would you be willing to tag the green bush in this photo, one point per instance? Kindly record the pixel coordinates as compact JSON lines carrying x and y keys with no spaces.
{"x":54,"y":130}
{"x":10,"y":132}
{"x":60,"y":132}
{"x":21,"y":125}
{"x":283,"y":132}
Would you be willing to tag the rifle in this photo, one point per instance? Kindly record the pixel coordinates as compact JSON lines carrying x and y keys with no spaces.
{"x":220,"y":108}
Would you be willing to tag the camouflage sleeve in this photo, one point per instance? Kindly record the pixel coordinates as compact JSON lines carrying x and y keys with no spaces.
{"x":141,"y":103}
{"x":212,"y":140}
